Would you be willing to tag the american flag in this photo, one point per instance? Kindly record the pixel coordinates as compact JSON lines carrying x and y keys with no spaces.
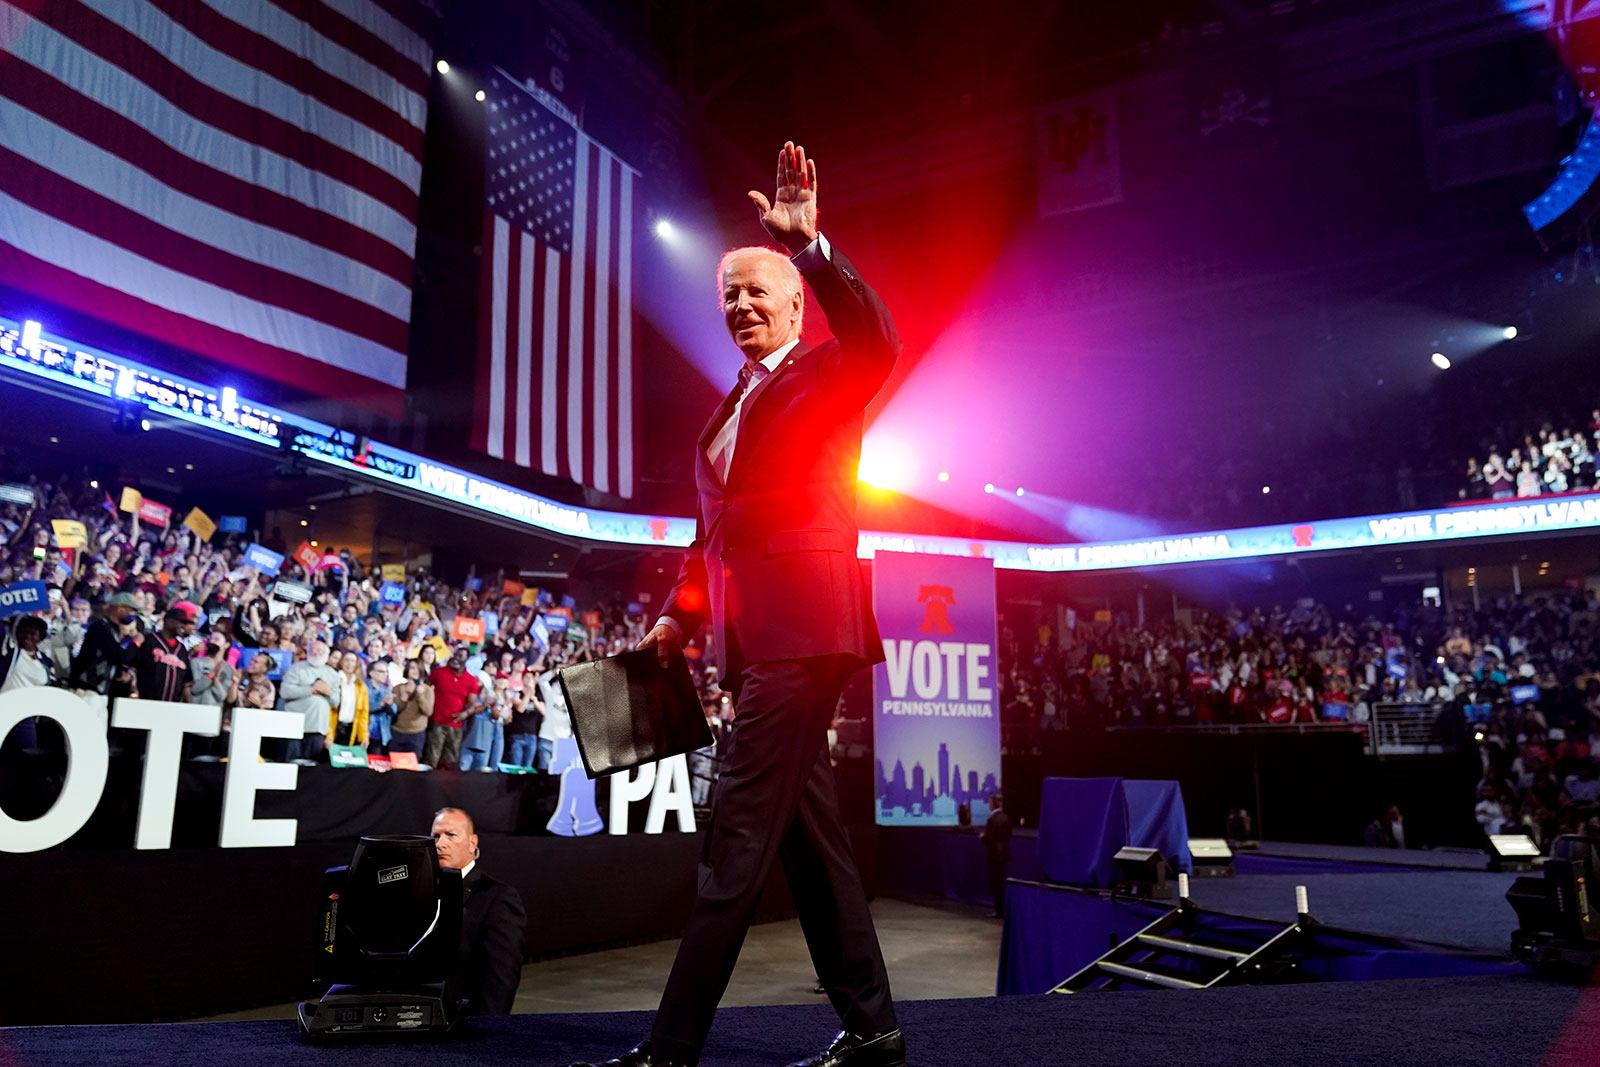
{"x":555,"y":338}
{"x":237,"y":178}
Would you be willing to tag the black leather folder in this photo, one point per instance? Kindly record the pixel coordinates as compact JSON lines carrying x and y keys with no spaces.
{"x":628,"y":709}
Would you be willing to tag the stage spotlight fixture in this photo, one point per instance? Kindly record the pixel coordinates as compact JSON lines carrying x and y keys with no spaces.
{"x":144,"y":424}
{"x":1510,"y":333}
{"x":1265,"y":490}
{"x":480,"y":96}
{"x":1556,"y":928}
{"x":664,"y":229}
{"x":30,"y":335}
{"x":944,"y":476}
{"x":988,"y":487}
{"x":1512,"y":852}
{"x":390,"y":938}
{"x":1212,"y":857}
{"x":442,"y":67}
{"x":1143,"y":872}
{"x":1440,"y":360}
{"x":1019,"y":490}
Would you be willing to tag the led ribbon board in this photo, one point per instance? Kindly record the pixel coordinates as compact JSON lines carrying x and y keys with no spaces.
{"x":24,"y":350}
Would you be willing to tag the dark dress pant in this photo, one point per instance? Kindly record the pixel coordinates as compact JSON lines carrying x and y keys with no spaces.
{"x":775,"y":802}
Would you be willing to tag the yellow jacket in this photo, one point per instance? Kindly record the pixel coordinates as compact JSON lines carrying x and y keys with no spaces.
{"x":358,"y":731}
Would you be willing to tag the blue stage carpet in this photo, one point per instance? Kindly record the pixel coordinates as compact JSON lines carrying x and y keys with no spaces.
{"x":1467,"y":909}
{"x":1516,"y":1021}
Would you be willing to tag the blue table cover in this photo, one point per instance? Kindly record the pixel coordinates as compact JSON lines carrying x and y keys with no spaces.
{"x":1082,"y":824}
{"x":1156,"y":819}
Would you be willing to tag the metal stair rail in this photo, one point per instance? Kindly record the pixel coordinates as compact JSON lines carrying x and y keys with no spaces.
{"x":1168,"y":954}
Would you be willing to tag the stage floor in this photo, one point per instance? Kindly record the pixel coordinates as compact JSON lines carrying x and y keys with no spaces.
{"x":1516,"y":1021}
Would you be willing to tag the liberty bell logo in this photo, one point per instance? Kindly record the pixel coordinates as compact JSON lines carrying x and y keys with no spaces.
{"x":576,"y":814}
{"x":936,"y":614}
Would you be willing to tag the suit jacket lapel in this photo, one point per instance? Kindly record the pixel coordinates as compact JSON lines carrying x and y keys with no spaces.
{"x":746,"y":436}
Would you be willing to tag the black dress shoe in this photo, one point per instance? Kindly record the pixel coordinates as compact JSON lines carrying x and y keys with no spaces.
{"x":847,"y":1050}
{"x":637,"y":1056}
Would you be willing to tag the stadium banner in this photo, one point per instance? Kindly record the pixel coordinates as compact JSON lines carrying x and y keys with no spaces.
{"x":935,"y":707}
{"x":1079,"y":153}
{"x":219,"y":409}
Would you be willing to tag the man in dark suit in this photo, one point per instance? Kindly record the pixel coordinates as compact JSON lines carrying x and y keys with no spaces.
{"x":492,"y":921}
{"x":773,"y":566}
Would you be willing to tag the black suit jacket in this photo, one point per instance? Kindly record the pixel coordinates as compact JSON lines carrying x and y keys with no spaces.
{"x":774,"y":562}
{"x":492,"y":925}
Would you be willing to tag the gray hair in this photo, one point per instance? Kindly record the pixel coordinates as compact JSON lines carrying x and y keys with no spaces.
{"x":791,"y":273}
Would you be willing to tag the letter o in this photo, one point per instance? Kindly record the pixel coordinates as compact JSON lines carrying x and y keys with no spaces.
{"x":927,"y":675}
{"x":87,"y":763}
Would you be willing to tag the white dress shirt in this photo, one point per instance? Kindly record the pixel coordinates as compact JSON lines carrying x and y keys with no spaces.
{"x":720,"y":451}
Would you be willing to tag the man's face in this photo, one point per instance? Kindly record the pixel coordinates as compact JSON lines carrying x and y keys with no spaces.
{"x":760,"y":312}
{"x":458,"y":659}
{"x":80,"y":614}
{"x":349,"y":614}
{"x":454,"y":840}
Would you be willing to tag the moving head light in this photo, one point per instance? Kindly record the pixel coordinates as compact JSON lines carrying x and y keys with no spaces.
{"x":390,"y":939}
{"x":1556,"y":922}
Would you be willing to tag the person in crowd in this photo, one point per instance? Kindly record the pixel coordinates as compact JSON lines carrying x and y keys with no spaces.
{"x":997,"y":851}
{"x":455,"y":700}
{"x":104,"y":663}
{"x":556,"y":723}
{"x":24,"y":666}
{"x":310,"y":689}
{"x":522,"y":732}
{"x":214,"y":680}
{"x":413,"y":701}
{"x":380,"y":701}
{"x":66,"y":637}
{"x":492,"y":921}
{"x":349,"y":720}
{"x":256,"y":690}
{"x":1387,"y":830}
{"x":161,"y":664}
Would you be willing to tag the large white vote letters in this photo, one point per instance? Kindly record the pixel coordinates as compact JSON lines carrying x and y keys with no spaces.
{"x":84,"y":724}
{"x":665,"y":783}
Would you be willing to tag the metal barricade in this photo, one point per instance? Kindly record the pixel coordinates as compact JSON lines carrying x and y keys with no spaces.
{"x":1410,"y":729}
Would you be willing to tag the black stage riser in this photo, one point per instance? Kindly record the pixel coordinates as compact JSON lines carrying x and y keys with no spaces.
{"x":104,"y":937}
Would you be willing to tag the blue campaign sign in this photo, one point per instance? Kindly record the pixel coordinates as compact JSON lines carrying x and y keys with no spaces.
{"x":936,"y":715}
{"x":569,"y":602}
{"x":263,"y":559}
{"x":491,"y":622}
{"x":475,"y":584}
{"x":392,"y":593}
{"x":23,"y":597}
{"x":555,"y":623}
{"x":281,"y":658}
{"x":232,"y":523}
{"x":540,"y":631}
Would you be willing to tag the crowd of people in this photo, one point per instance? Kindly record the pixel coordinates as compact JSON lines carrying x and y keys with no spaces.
{"x":1521,"y":676}
{"x":162,"y":613}
{"x":1551,"y":461}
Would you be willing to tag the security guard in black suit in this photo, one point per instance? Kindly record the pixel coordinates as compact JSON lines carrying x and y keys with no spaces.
{"x":491,"y":925}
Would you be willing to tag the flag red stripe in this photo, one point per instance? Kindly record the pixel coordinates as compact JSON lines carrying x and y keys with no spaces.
{"x":374,"y":49}
{"x":613,"y":355}
{"x":563,"y":369}
{"x":480,"y":407}
{"x":78,"y":207}
{"x":513,"y":326}
{"x":111,"y":43}
{"x":268,"y":56}
{"x":590,"y":263}
{"x":42,"y":94}
{"x":535,"y":391}
{"x":224,"y":346}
